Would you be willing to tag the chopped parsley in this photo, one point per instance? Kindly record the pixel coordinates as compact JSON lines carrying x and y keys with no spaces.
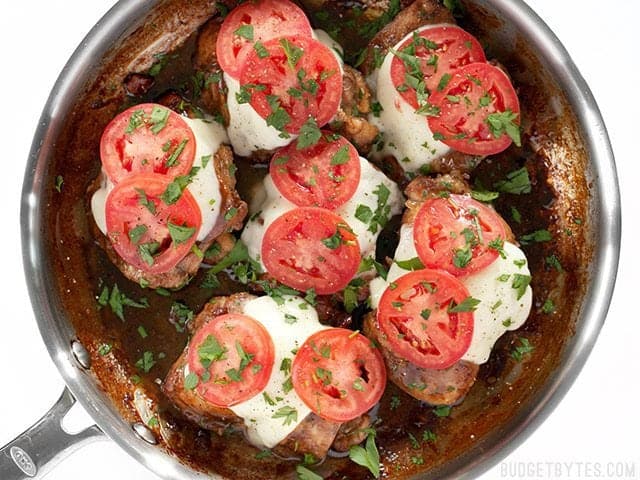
{"x":517,"y":182}
{"x":244,"y":31}
{"x":289,"y":414}
{"x":146,"y":362}
{"x":469,"y":304}
{"x":368,"y":456}
{"x":118,"y":300}
{"x":180,"y":233}
{"x":504,"y":122}
{"x":523,"y":349}
{"x":310,"y":134}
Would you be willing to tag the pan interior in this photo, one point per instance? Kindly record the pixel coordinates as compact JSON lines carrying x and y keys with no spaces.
{"x":69,"y":271}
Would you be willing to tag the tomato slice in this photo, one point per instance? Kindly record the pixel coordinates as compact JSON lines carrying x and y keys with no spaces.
{"x":233,"y":356}
{"x":251,"y":24}
{"x":147,"y":138}
{"x":339,"y":374}
{"x":479,"y":112}
{"x":324,"y":175}
{"x":311,"y":247}
{"x":429,"y":55}
{"x":145,"y":231}
{"x":295,"y":80}
{"x":415,"y":317}
{"x":457,"y":234}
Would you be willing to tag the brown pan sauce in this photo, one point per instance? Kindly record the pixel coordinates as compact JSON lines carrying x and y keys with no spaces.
{"x":505,"y":388}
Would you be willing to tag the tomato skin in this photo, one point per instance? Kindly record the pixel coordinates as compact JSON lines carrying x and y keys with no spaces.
{"x":440,"y":233}
{"x":454,"y":47}
{"x":437,"y":341}
{"x":127,"y":149}
{"x":229,"y":330}
{"x":318,"y":91}
{"x":339,"y":374}
{"x":125,"y":213}
{"x":313,"y":176}
{"x":294,"y":253}
{"x":464,"y":126}
{"x":268,"y":19}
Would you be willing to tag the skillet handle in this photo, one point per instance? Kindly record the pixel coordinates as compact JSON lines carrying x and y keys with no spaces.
{"x":37,"y":450}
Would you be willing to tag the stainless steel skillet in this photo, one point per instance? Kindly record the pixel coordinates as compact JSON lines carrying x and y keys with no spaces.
{"x":58,"y":333}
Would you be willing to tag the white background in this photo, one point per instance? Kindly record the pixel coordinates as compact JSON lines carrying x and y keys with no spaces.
{"x":598,"y":421}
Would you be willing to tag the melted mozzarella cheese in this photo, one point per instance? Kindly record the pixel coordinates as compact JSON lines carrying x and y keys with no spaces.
{"x":406,"y":134}
{"x":289,"y":324}
{"x":204,"y":186}
{"x":248,"y":131}
{"x":499,"y":309}
{"x":274,"y":205}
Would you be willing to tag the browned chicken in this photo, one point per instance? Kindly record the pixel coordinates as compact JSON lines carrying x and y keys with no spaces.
{"x":350,"y":121}
{"x":313,"y":435}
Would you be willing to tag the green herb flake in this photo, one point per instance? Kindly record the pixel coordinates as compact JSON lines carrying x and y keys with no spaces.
{"x":341,"y":156}
{"x":58,"y":183}
{"x":536,"y":237}
{"x":520,"y":284}
{"x":142,"y":332}
{"x":104,"y":349}
{"x":334,"y":241}
{"x":211,"y":351}
{"x":553,"y":262}
{"x":521,"y":350}
{"x":411,"y":264}
{"x":429,"y":436}
{"x":517,"y":182}
{"x":368,"y":456}
{"x":244,"y":31}
{"x":442,"y":411}
{"x":180,"y":233}
{"x":484,"y":195}
{"x":158,"y":119}
{"x":548,"y":306}
{"x":310,"y":134}
{"x":191,"y":381}
{"x":444,"y":81}
{"x":146,"y":362}
{"x":505,"y":122}
{"x":289,"y":414}
{"x":469,"y":304}
{"x":293,"y":53}
{"x":303,"y":473}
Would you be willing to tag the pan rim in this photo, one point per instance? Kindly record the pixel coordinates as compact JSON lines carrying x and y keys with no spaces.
{"x":605,"y":200}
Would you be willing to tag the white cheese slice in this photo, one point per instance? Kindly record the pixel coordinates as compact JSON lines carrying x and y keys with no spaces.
{"x":406,"y":135}
{"x":247,"y":130}
{"x":289,"y":324}
{"x":499,"y":309}
{"x":275,"y":205}
{"x":204,"y":186}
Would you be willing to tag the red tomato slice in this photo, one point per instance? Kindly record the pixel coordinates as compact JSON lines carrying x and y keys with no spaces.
{"x":457,"y":234}
{"x":339,"y":374}
{"x":437,"y":51}
{"x":147,"y":138}
{"x":145,"y":231}
{"x":253,"y":23}
{"x":415,"y":319}
{"x":233,"y":356}
{"x":324,"y":175}
{"x":479,"y":111}
{"x":311,"y":247}
{"x":296,"y":79}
